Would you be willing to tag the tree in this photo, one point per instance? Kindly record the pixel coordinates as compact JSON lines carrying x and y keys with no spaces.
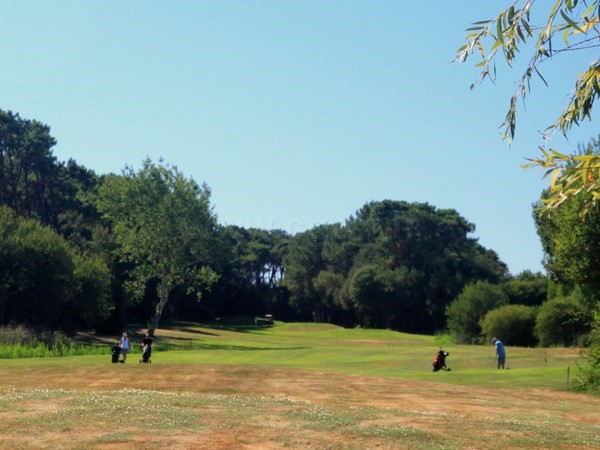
{"x":164,"y":225}
{"x":589,"y":375}
{"x":303,"y":262}
{"x":468,"y":309}
{"x":527,"y":288}
{"x":514,"y":324}
{"x":251,"y":269}
{"x":571,"y":243}
{"x":561,"y":321}
{"x":393,"y":264}
{"x":93,"y":304}
{"x":40,"y":281}
{"x":44,"y":282}
{"x":570,"y":25}
{"x":29,"y":174}
{"x":430,"y":253}
{"x":385,"y":297}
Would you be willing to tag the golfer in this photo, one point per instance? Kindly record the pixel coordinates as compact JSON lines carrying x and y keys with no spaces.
{"x":500,"y":352}
{"x":124,"y":347}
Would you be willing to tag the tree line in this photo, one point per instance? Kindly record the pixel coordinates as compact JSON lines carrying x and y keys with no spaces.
{"x":81,"y":250}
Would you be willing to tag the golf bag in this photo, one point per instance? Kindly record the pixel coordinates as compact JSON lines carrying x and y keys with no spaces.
{"x":115,"y":353}
{"x":146,"y":352}
{"x":439,"y":363}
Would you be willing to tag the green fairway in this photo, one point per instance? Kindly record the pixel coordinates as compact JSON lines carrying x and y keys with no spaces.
{"x":330,"y":348}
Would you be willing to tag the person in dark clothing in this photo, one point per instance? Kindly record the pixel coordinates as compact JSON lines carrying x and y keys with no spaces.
{"x":146,"y":348}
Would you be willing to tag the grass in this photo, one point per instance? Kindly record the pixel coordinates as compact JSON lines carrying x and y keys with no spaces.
{"x":295,"y":386}
{"x":13,"y":351}
{"x":359,"y":351}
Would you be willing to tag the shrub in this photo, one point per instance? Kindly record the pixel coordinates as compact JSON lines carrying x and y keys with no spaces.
{"x":562,"y":321}
{"x":515,"y":323}
{"x":16,"y":334}
{"x":22,"y":335}
{"x":589,"y":374}
{"x":18,"y":341}
{"x":467,"y":310}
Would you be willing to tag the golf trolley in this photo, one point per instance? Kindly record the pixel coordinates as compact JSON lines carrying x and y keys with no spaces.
{"x":439,"y":363}
{"x":146,"y":352}
{"x":115,"y":353}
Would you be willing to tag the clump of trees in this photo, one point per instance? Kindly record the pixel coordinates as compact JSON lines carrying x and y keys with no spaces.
{"x":79,"y":250}
{"x":508,"y":309}
{"x":392,"y":265}
{"x":82,"y":250}
{"x":45,"y":282}
{"x":467,"y":311}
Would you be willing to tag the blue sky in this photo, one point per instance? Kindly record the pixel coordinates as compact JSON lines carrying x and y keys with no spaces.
{"x":295,"y":113}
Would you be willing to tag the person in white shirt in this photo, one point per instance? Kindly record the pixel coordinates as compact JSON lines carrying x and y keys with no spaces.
{"x":124,"y":347}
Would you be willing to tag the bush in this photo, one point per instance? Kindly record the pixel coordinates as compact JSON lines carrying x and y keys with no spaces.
{"x":22,"y":335}
{"x":18,"y":341}
{"x":562,"y":321}
{"x":589,"y":374}
{"x":17,"y":334}
{"x":527,"y":289}
{"x":468,"y":309}
{"x":514,"y":323}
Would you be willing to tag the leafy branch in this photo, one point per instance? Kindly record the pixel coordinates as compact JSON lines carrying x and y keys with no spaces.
{"x":571,"y":25}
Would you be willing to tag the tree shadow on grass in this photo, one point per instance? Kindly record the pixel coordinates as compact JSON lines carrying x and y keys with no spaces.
{"x":241,"y":347}
{"x":188,"y":330}
{"x":243,"y":324}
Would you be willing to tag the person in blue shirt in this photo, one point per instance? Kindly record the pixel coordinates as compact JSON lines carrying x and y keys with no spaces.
{"x":500,"y":352}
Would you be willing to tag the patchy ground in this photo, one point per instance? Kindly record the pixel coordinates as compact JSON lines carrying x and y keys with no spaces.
{"x":224,"y":407}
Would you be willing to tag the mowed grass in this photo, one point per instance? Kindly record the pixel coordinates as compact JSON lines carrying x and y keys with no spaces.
{"x":361,"y":351}
{"x":296,"y":386}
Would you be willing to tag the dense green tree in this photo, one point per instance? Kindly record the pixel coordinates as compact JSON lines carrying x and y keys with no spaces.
{"x":29,"y":174}
{"x":385,"y":297}
{"x":570,"y":241}
{"x":393,"y":264}
{"x":304,"y":262}
{"x":93,"y":304}
{"x":527,"y":288}
{"x":41,"y":276}
{"x":45,"y":283}
{"x":251,"y":268}
{"x":164,"y":225}
{"x":513,"y":324}
{"x":589,"y":375}
{"x":562,"y":321}
{"x":470,"y":307}
{"x":431,"y":245}
{"x":35,"y":185}
{"x":569,"y":25}
{"x":79,"y":219}
{"x":262,"y":256}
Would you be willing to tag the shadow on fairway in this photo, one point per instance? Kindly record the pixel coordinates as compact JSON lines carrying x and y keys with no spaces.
{"x":241,"y":347}
{"x":244,"y":324}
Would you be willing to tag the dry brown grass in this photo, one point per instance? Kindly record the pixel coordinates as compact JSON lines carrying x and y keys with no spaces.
{"x":231,"y":407}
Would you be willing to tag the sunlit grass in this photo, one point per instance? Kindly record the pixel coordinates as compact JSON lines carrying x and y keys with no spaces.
{"x":38,"y":414}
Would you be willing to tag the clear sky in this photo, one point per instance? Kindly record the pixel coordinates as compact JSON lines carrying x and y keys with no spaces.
{"x":295,"y":112}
